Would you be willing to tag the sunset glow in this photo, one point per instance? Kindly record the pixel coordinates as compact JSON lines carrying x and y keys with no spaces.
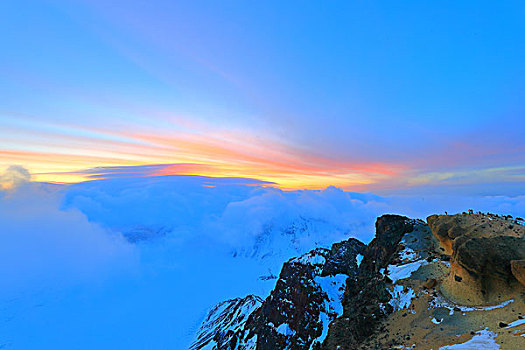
{"x":64,"y":159}
{"x":92,"y":85}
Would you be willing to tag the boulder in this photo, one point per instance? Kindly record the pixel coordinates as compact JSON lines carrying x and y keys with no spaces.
{"x":449,"y":228}
{"x":489,"y":257}
{"x":518,"y":270}
{"x":481,"y":249}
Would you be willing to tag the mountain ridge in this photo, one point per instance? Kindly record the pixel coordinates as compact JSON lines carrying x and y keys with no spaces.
{"x":406,"y":292}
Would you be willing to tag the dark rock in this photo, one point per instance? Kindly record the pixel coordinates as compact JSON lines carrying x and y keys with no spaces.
{"x":295,"y":301}
{"x":365,"y":301}
{"x":489,"y":257}
{"x":430,"y":283}
{"x":389,"y":231}
{"x":518,"y":270}
{"x":291,"y":316}
{"x":342,"y":258}
{"x":223,"y":320}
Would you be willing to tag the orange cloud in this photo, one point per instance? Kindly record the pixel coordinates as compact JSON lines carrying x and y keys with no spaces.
{"x":58,"y":154}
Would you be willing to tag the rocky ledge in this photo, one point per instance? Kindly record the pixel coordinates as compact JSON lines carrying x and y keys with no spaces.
{"x":456,"y":279}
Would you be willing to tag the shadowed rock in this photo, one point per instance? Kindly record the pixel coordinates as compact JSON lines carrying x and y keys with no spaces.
{"x":224,"y":321}
{"x":518,"y":270}
{"x":296,"y":314}
{"x":481,"y":248}
{"x":366,"y":298}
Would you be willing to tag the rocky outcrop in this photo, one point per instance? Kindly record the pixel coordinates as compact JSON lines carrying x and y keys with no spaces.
{"x":342,"y":258}
{"x":306,"y":298}
{"x":449,"y":228}
{"x":389,"y":231}
{"x":518,"y":270}
{"x":224,"y":321}
{"x":420,"y":286}
{"x":366,"y":298}
{"x":489,"y":257}
{"x":481,"y":249}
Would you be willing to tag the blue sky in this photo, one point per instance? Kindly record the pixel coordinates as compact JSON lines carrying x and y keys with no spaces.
{"x":377,"y":96}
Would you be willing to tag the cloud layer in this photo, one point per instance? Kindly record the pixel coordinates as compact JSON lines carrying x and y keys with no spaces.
{"x":95,"y":260}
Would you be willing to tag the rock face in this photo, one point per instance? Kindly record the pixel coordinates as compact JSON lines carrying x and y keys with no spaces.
{"x":306,"y":293}
{"x":489,"y":257}
{"x":389,"y":231}
{"x":448,"y":228}
{"x":224,"y":321}
{"x":366,"y":299}
{"x":306,"y":297}
{"x":518,"y":270}
{"x":455,"y":280}
{"x":481,"y":248}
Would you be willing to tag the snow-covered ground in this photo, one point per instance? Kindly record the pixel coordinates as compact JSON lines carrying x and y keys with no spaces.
{"x":483,"y":340}
{"x":136,"y":263}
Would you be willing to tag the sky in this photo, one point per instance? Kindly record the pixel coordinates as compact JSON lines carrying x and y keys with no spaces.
{"x":389,"y":97}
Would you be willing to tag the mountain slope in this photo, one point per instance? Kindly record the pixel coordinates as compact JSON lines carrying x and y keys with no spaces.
{"x":455,"y":280}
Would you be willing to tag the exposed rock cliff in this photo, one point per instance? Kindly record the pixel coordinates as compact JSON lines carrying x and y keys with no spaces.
{"x":224,"y":321}
{"x":459,"y":279}
{"x":296,"y":314}
{"x":366,"y":299}
{"x":481,"y":248}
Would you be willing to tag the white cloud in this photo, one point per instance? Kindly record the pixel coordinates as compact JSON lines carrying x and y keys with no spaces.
{"x":41,"y":245}
{"x":67,"y":239}
{"x":14,"y":176}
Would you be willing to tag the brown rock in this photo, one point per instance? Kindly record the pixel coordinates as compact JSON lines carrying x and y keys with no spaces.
{"x":489,"y":257}
{"x":430,"y":283}
{"x":450,"y":228}
{"x":518,"y":270}
{"x":481,"y":248}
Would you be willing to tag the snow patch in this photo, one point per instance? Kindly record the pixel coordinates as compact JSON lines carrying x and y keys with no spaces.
{"x":359,"y":259}
{"x":401,"y":297}
{"x":285,"y":329}
{"x":314,"y":258}
{"x":516,"y":323}
{"x":484,"y":340}
{"x":408,"y":253}
{"x":399,"y":272}
{"x":334,"y":287}
{"x":439,"y":301}
{"x":435,"y":321}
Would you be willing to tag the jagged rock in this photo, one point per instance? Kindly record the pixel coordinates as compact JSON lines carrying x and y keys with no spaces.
{"x":220,"y":327}
{"x":292,"y":316}
{"x":306,"y":297}
{"x":449,"y":228}
{"x":342,"y":258}
{"x":481,"y":248}
{"x":401,"y":296}
{"x":365,"y":302}
{"x":518,"y":270}
{"x":289,"y":316}
{"x":389,"y":231}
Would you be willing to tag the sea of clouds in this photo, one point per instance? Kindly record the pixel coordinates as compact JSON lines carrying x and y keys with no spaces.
{"x":136,"y":262}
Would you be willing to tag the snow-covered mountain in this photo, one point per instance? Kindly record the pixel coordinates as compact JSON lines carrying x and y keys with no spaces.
{"x":95,"y":260}
{"x":405,"y":290}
